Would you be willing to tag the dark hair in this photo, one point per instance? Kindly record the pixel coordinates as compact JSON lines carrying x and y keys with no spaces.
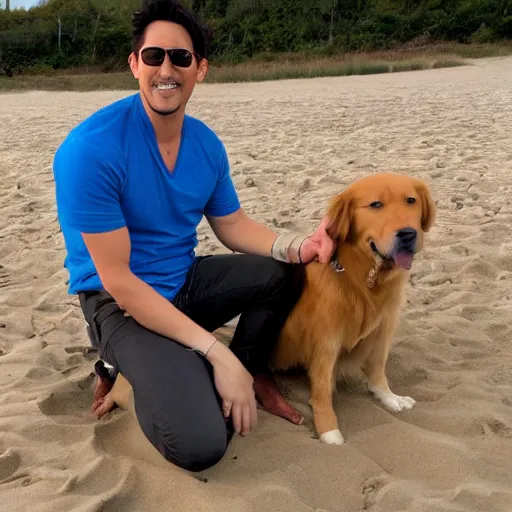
{"x":170,"y":10}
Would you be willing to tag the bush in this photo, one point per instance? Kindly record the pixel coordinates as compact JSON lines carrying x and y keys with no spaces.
{"x":98,"y":32}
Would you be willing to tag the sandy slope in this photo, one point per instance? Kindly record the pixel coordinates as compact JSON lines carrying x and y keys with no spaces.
{"x":292,"y":145}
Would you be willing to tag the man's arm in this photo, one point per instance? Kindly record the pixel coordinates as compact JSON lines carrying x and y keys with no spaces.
{"x":239,"y":233}
{"x":110,"y":253}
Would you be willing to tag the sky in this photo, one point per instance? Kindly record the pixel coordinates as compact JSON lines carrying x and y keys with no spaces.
{"x":20,"y":3}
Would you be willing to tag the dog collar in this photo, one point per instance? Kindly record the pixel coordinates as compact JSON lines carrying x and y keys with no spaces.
{"x":335,"y":264}
{"x":373,"y":274}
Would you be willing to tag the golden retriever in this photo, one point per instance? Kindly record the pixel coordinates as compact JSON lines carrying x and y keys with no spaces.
{"x":348,"y":311}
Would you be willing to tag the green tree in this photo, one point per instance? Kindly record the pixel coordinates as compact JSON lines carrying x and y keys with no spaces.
{"x":97,"y":32}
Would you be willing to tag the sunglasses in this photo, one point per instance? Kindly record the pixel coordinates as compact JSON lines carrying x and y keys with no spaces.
{"x":155,"y":56}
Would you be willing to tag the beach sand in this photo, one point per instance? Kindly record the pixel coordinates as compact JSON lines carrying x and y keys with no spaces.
{"x":292,"y":145}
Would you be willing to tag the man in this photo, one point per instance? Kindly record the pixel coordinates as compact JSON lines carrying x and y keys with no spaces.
{"x":132,"y":184}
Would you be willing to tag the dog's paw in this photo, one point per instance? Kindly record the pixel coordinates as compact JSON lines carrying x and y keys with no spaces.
{"x":396,"y":403}
{"x":332,"y":437}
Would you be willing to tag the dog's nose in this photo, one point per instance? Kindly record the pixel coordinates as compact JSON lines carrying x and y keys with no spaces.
{"x":407,"y":237}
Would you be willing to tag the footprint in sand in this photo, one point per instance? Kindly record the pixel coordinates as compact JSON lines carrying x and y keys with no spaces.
{"x":371,"y":489}
{"x":497,"y":331}
{"x":478,"y":496}
{"x":501,"y":376}
{"x":71,"y":401}
{"x":5,"y":278}
{"x":39,"y":373}
{"x":407,"y":376}
{"x":10,"y":461}
{"x":504,"y":263}
{"x":476,"y":314}
{"x":497,"y":427}
{"x":476,"y":269}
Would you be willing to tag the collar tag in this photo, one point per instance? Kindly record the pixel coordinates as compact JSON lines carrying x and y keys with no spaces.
{"x":336,"y":266}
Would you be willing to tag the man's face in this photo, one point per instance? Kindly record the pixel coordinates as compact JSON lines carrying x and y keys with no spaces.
{"x":167,"y":88}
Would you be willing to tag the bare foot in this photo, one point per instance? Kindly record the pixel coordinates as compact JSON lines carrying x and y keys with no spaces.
{"x":272,"y":401}
{"x":102,"y":401}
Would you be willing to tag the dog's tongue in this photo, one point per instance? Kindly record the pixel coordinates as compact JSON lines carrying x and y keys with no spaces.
{"x":404,"y":260}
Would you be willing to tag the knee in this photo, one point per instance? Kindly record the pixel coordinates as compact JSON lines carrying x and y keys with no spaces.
{"x":195,"y":450}
{"x":284,"y":277}
{"x":288,"y":280}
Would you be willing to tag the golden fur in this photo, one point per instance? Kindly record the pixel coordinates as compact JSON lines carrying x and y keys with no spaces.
{"x":340,"y":322}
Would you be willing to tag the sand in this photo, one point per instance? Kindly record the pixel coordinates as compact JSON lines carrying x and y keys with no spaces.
{"x":292,"y":145}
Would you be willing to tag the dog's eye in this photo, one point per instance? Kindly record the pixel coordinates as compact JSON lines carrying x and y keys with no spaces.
{"x":376,"y":204}
{"x":411,"y":200}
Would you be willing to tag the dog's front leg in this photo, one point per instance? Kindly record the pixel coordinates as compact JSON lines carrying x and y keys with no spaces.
{"x":375,"y":369}
{"x":321,"y":375}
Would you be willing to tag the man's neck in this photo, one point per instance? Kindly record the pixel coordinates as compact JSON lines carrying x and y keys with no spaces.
{"x":167,"y":128}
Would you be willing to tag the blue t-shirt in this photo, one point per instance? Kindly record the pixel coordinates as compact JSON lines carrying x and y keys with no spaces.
{"x":109,"y":174}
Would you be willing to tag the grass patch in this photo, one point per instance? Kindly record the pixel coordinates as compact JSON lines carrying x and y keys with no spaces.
{"x":414,"y":50}
{"x":275,"y":67}
{"x":69,"y":82}
{"x":397,"y":67}
{"x":344,"y":66}
{"x":477,"y":51}
{"x":258,"y":72}
{"x":446,"y":63}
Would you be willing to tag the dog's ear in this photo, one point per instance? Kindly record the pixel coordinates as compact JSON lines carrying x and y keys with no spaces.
{"x":339,"y":215}
{"x":428,"y":207}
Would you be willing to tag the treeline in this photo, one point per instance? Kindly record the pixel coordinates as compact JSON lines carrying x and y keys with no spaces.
{"x":73,"y":33}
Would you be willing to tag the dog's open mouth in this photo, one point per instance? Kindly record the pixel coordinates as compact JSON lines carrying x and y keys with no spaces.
{"x":400,"y":259}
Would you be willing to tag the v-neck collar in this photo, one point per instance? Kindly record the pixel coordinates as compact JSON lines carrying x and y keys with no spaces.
{"x":154,"y":142}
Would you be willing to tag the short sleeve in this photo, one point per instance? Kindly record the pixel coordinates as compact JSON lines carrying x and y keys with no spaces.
{"x":224,"y":199}
{"x":88,"y":184}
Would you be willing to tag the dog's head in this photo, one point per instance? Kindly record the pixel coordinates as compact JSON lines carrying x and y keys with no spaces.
{"x":385,"y":215}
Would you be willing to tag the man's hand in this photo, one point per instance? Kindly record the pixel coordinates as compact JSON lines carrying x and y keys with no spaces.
{"x":235,"y":386}
{"x":319,"y":246}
